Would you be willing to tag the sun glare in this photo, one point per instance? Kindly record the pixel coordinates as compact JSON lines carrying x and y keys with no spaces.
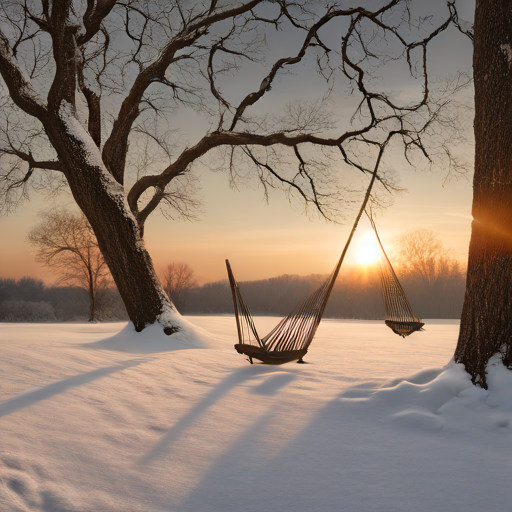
{"x":368,"y":251}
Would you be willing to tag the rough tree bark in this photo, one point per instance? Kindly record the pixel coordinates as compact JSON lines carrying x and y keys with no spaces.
{"x":486,"y":323}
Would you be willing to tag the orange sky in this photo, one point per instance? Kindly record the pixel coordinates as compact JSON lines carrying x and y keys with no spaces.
{"x":267,"y":240}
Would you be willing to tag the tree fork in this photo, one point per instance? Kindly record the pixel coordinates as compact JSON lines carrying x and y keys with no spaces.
{"x":486,"y":322}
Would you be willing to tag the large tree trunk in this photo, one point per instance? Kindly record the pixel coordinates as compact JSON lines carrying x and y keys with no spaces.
{"x":103,"y":202}
{"x":486,"y":323}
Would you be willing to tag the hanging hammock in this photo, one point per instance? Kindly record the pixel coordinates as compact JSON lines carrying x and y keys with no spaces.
{"x":400,"y":317}
{"x":290,"y":339}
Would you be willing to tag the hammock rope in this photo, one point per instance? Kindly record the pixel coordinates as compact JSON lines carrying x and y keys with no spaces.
{"x":291,"y":337}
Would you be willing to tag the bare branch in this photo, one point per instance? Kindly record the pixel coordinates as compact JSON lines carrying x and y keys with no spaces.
{"x":20,"y":89}
{"x":65,"y":54}
{"x":203,"y":44}
{"x":315,"y":200}
{"x":467,"y":29}
{"x":115,"y":149}
{"x":33,"y":164}
{"x":97,"y":11}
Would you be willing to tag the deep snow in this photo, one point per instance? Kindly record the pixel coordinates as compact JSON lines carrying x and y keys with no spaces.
{"x":92,"y":421}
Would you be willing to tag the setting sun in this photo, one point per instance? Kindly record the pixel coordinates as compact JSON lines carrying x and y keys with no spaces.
{"x":368,"y":251}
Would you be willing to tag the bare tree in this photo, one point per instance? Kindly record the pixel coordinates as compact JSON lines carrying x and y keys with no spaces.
{"x":66,"y":244}
{"x":422,"y":256}
{"x":85,"y":81}
{"x":178,"y":281}
{"x":430,"y":273}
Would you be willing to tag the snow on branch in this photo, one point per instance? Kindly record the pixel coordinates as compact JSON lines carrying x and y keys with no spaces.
{"x":20,"y":89}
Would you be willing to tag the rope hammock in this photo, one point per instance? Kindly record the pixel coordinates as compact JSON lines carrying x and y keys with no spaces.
{"x":290,"y":339}
{"x":400,"y":317}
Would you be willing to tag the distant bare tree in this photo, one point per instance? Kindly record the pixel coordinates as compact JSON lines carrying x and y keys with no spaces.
{"x":423,"y":256}
{"x":66,"y":243}
{"x":431,"y":274}
{"x":178,"y":280}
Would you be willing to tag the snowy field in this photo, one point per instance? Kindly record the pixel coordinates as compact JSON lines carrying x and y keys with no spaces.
{"x":373,"y":424}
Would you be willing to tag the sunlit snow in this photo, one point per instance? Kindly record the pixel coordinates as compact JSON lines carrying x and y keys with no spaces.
{"x":93,"y":419}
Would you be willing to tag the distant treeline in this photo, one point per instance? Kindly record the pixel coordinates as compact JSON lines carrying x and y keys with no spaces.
{"x":356,"y":294}
{"x":30,"y":300}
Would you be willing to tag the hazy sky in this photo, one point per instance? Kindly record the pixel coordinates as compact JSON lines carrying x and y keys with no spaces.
{"x":268,"y":240}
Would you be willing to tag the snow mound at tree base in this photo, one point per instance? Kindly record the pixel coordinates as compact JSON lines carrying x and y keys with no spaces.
{"x":434,"y":399}
{"x":153,"y":339}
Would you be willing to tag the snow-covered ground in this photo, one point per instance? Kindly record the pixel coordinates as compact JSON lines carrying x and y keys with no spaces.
{"x":373,"y":423}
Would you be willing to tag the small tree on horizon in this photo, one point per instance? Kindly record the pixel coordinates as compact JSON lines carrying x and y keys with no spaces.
{"x":432,"y":276}
{"x":422,"y":256}
{"x":66,"y":244}
{"x":178,"y":280}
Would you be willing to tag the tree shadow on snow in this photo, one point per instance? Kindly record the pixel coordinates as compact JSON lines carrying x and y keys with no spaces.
{"x":269,"y":387}
{"x":351,"y":455}
{"x":312,"y":469}
{"x":32,"y":397}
